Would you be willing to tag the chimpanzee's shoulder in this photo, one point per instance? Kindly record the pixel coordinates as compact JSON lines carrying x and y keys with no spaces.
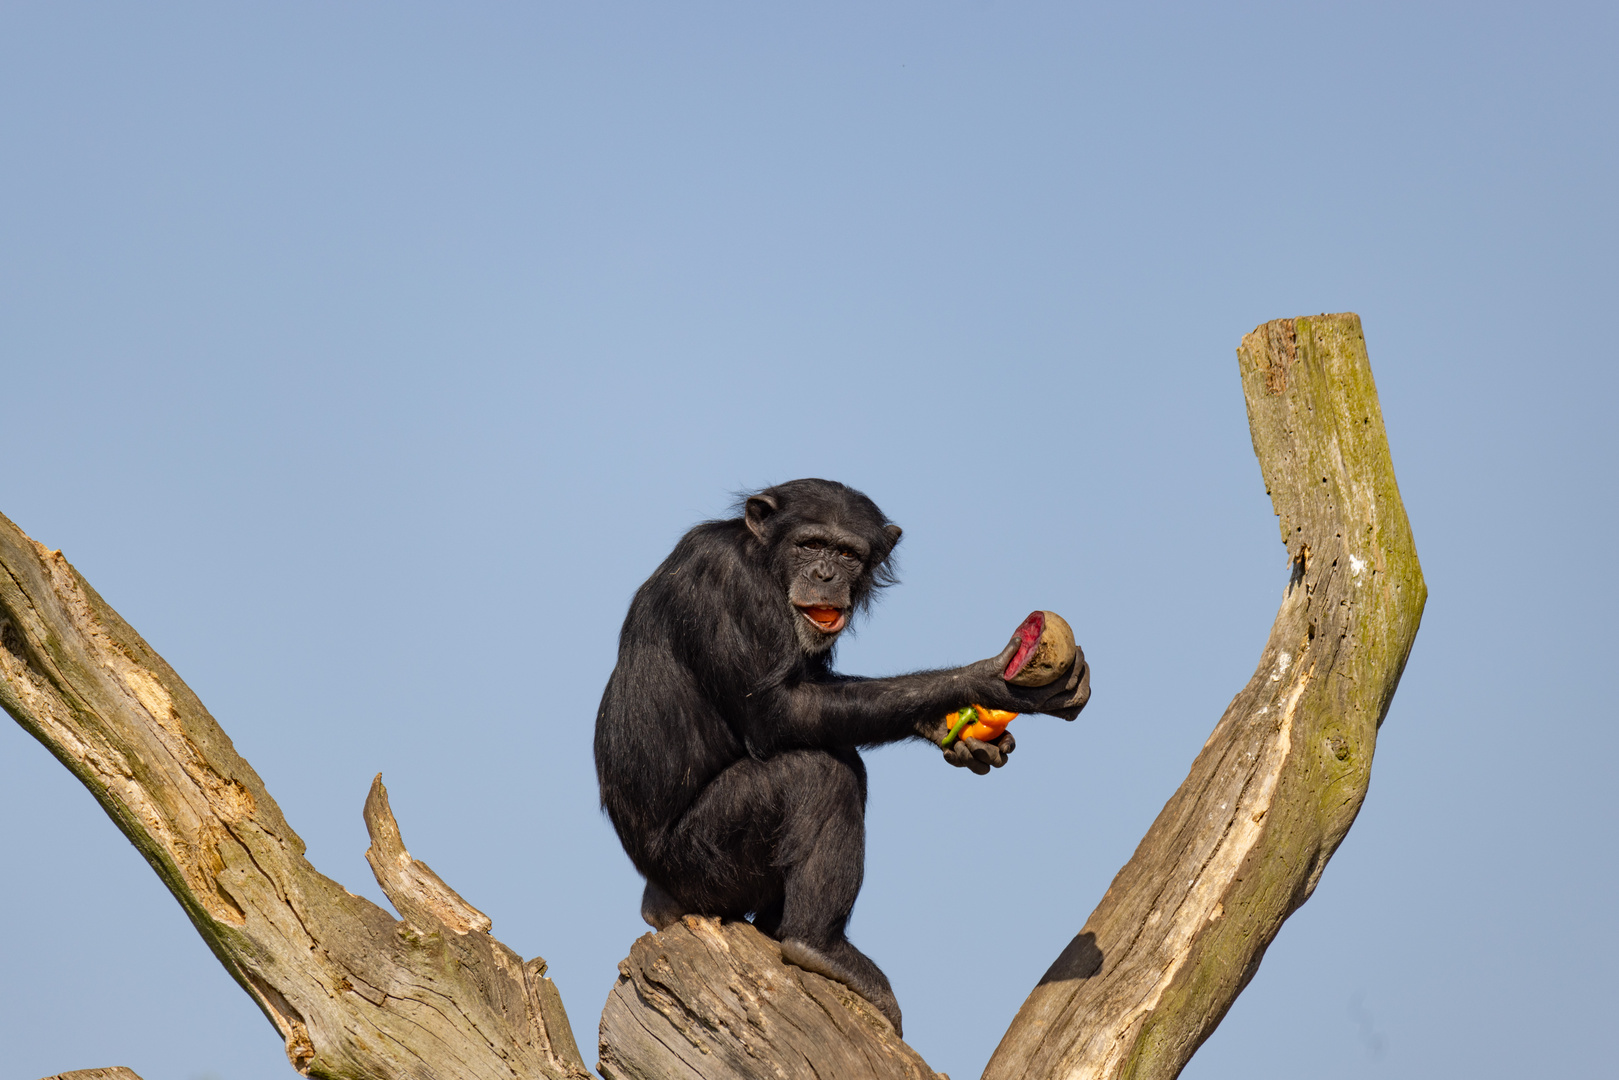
{"x":710,"y":553}
{"x":726,"y":538}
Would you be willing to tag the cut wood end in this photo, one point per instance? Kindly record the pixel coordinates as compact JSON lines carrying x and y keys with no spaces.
{"x":751,"y":1009}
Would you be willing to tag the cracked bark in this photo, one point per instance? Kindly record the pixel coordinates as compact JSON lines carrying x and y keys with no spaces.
{"x":357,"y":993}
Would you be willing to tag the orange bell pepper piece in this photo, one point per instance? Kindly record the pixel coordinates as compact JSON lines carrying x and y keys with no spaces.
{"x":976,"y":722}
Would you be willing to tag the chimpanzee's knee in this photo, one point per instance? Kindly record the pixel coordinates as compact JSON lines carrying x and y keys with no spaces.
{"x":783,"y":838}
{"x":823,"y":803}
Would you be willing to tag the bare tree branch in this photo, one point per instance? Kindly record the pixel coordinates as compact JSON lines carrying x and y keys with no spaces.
{"x":1243,"y":842}
{"x":354,"y":992}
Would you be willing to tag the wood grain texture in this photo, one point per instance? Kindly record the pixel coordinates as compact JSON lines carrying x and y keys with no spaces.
{"x":354,"y":992}
{"x":712,"y":1000}
{"x":115,"y":1072}
{"x":1277,"y":785}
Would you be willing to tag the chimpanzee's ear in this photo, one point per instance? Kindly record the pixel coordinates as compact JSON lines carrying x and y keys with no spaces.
{"x":758,"y":509}
{"x":894,"y":533}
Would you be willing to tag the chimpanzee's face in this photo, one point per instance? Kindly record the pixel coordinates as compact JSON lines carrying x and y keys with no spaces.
{"x":827,"y":569}
{"x":829,"y":547}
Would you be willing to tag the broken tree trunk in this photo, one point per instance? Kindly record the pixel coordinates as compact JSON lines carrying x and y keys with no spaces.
{"x":1243,"y":842}
{"x":1181,"y":930}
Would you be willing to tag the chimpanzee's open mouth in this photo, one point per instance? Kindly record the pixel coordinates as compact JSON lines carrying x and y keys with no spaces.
{"x":828,"y":620}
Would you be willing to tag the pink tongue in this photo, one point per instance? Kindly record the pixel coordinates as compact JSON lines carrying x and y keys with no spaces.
{"x":1028,"y":635}
{"x":825,"y":616}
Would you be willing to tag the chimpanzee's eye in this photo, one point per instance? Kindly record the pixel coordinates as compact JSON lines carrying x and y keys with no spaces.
{"x":813,"y":545}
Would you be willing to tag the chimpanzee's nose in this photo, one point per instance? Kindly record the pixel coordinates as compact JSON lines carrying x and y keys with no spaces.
{"x":823,"y":572}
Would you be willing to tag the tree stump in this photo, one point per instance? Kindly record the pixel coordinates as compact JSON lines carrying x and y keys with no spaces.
{"x":711,"y":1000}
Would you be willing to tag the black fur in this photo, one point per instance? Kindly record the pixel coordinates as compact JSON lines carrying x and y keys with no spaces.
{"x":726,"y":746}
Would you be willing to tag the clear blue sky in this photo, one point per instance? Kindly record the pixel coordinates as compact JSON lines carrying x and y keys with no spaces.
{"x":366,"y":357}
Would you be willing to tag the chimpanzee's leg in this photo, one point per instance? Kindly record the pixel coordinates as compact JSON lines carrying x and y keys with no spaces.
{"x":718,"y":858}
{"x":822,"y":854}
{"x":821,"y":845}
{"x":784,"y":838}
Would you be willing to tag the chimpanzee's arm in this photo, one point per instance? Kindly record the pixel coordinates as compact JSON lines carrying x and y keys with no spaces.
{"x":855,"y":711}
{"x":849,"y":711}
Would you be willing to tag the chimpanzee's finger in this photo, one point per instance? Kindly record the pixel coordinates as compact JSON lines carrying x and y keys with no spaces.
{"x":1007,"y":653}
{"x":1077,"y":670}
{"x":1006,"y":743}
{"x":1082,"y":690}
{"x":988,"y":753}
{"x":962,"y":756}
{"x":1068,"y":701}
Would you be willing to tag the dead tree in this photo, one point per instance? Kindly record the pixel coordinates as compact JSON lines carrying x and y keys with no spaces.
{"x":356,"y":993}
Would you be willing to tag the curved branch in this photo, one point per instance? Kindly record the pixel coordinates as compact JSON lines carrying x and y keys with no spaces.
{"x":354,"y":992}
{"x":1243,"y":842}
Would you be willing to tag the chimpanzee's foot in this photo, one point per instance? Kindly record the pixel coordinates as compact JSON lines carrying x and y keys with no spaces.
{"x":848,"y":965}
{"x":658,"y":908}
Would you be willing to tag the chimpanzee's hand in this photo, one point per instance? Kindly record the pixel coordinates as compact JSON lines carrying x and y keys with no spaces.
{"x":1064,"y":698}
{"x":966,"y":753}
{"x":979,"y":756}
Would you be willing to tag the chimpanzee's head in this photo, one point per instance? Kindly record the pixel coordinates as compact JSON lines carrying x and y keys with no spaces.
{"x":829,"y":546}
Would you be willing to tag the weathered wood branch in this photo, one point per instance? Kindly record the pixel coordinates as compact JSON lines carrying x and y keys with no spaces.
{"x":1243,"y":842}
{"x":354,"y":992}
{"x":1181,"y":930}
{"x":706,"y":1000}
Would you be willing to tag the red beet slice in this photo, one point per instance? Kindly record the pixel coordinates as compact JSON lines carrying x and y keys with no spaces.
{"x":1028,"y":635}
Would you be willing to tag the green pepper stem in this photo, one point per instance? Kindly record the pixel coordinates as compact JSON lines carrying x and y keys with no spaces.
{"x":967,"y":718}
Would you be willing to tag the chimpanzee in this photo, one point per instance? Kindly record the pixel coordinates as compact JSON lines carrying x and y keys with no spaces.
{"x":727,"y":747}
